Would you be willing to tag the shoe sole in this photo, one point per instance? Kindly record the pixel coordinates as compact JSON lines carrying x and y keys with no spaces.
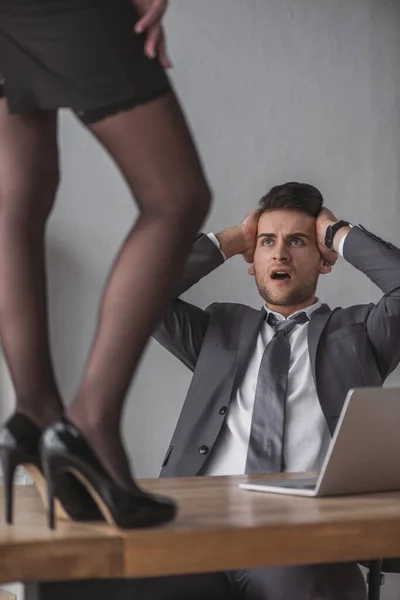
{"x":40,"y":484}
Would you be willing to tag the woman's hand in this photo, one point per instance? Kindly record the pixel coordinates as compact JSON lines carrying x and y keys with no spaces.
{"x":151,"y":14}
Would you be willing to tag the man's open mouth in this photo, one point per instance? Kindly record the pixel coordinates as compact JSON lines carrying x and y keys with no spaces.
{"x":280,"y":275}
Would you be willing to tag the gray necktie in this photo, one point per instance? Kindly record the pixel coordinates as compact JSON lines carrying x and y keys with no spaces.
{"x":265,"y":453}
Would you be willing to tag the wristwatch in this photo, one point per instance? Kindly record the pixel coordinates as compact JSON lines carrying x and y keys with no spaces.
{"x":331,"y":231}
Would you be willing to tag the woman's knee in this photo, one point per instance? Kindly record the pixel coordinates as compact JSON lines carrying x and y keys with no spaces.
{"x":205,"y":203}
{"x":29,"y":173}
{"x":195,"y":206}
{"x":188,"y":203}
{"x":30,"y":198}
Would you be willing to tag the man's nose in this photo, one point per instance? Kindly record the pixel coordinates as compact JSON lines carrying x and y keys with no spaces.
{"x":281,"y":252}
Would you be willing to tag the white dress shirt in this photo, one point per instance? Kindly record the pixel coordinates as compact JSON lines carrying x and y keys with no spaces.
{"x":306,"y":433}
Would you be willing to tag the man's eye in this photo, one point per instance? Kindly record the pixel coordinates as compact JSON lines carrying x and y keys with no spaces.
{"x":296,"y":241}
{"x":266,"y":242}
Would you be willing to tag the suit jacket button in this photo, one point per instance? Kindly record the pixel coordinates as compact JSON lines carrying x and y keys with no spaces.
{"x":222,"y":410}
{"x":203,"y":450}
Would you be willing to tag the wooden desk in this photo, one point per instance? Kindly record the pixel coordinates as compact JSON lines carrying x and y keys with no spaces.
{"x":219,"y":527}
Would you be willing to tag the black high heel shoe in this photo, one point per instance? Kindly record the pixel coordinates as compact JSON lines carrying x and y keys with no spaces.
{"x":64,"y":449}
{"x":19,"y":445}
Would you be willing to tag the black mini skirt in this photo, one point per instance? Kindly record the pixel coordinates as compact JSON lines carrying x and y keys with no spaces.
{"x":77,"y":54}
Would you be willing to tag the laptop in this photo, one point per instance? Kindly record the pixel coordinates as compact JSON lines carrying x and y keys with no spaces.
{"x":363,"y":456}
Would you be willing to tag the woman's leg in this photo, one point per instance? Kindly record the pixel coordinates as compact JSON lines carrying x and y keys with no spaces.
{"x":28,"y":183}
{"x":153,"y":148}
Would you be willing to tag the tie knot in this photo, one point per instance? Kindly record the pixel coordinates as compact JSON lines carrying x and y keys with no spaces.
{"x":287,"y":325}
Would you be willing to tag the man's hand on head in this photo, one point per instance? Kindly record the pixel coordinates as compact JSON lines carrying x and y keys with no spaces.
{"x":249,"y":228}
{"x":324,"y":219}
{"x":240,"y":239}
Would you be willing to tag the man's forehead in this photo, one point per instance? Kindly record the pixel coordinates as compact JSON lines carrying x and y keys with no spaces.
{"x":287,"y":222}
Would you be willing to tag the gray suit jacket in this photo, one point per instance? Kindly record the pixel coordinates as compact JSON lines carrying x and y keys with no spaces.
{"x":349,"y":347}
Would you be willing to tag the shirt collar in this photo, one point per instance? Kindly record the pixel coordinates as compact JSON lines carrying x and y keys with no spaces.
{"x":308,"y":310}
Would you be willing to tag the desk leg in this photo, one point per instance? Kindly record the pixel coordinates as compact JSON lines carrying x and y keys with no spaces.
{"x":93,"y":589}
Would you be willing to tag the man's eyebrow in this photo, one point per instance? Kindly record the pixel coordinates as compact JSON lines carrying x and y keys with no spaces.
{"x":299,"y":234}
{"x":289,"y":236}
{"x":262,"y":235}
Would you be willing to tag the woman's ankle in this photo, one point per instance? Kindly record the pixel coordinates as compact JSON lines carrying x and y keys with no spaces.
{"x":43,"y":415}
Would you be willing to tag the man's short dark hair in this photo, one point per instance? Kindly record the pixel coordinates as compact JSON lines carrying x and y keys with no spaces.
{"x":293,"y":196}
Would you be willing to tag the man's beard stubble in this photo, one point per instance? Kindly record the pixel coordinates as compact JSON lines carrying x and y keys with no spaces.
{"x":297,"y":295}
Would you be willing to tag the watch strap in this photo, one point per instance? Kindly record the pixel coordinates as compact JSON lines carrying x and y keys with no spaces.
{"x":331,"y":231}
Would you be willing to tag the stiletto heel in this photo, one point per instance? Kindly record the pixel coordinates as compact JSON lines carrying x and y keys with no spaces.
{"x":50,"y":496}
{"x":64,"y":449}
{"x":19,"y":445}
{"x":10,"y":460}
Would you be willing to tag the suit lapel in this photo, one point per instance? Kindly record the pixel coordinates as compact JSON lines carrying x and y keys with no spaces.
{"x":249,"y":330}
{"x":315,"y":328}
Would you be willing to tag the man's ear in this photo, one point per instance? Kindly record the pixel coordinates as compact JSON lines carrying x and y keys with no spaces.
{"x":325,"y":268}
{"x":250,"y":270}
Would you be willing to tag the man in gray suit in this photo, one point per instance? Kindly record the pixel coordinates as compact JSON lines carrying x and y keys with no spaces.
{"x":289,"y":242}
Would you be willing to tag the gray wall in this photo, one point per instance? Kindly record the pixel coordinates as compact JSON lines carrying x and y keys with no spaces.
{"x":275,"y":91}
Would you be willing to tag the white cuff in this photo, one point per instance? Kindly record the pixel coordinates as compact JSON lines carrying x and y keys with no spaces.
{"x":215,"y":241}
{"x":341,"y":243}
